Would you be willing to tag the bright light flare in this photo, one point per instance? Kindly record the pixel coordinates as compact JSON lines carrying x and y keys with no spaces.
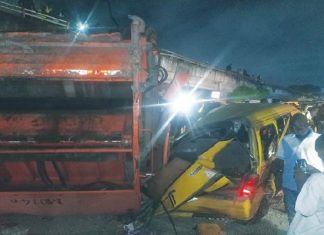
{"x":215,"y":95}
{"x":183,"y":104}
{"x":82,"y":27}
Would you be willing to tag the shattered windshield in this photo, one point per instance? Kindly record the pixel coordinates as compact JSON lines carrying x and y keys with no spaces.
{"x":198,"y":139}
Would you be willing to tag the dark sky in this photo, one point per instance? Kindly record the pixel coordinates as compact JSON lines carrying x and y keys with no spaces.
{"x":282,"y":40}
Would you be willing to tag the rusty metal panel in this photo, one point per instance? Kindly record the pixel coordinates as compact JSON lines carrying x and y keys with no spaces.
{"x":41,"y":55}
{"x":70,"y":202}
{"x":72,"y":126}
{"x":23,"y":174}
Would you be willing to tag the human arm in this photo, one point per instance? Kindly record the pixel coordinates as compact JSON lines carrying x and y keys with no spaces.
{"x":301,"y":176}
{"x":312,"y":169}
{"x":276,"y":168}
{"x":280,"y":151}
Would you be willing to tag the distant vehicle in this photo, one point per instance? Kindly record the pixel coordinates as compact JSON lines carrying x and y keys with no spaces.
{"x":221,"y":165}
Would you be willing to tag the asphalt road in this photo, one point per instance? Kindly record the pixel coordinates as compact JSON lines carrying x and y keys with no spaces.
{"x":275,"y":222}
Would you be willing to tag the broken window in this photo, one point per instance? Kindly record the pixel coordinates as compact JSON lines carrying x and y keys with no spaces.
{"x":269,"y":140}
{"x":281,"y":123}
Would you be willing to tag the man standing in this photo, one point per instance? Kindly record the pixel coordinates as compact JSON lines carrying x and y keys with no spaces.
{"x":309,"y":218}
{"x":299,"y":145}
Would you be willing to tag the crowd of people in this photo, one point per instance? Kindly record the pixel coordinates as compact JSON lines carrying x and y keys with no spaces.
{"x":300,"y":158}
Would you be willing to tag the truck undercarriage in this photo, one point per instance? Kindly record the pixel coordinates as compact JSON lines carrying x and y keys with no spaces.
{"x":70,"y":122}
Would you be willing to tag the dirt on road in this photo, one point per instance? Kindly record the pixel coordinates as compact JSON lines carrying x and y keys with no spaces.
{"x":275,"y":222}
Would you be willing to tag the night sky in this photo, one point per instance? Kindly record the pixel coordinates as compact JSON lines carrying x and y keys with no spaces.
{"x":281,"y":40}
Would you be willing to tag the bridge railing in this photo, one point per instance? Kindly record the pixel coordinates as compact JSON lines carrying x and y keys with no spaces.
{"x":23,"y":12}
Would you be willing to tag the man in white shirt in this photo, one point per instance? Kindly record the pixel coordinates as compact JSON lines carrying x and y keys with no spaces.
{"x":309,"y":218}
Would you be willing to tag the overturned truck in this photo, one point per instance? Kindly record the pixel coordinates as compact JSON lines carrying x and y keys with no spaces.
{"x":72,"y":126}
